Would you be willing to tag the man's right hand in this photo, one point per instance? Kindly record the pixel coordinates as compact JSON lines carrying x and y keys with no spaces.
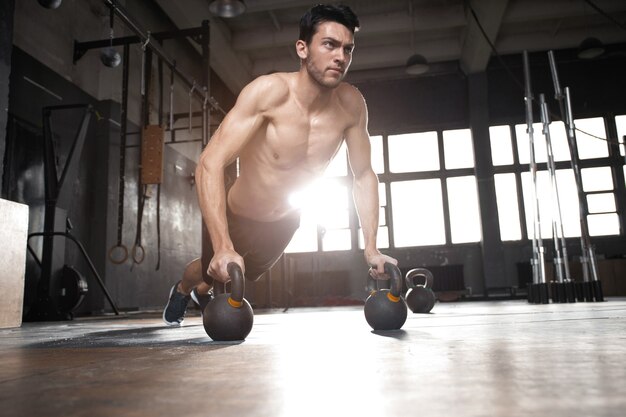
{"x":219,"y":263}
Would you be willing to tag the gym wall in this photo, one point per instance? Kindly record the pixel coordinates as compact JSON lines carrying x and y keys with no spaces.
{"x":43,"y":74}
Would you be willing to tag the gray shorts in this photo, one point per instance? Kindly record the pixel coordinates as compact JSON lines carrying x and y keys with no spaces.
{"x":260,"y":244}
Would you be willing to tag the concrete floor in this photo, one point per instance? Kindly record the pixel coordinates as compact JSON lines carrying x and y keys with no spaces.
{"x":504,"y":358}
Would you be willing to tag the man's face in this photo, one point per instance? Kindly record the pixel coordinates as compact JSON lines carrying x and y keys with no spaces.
{"x":329,"y":54}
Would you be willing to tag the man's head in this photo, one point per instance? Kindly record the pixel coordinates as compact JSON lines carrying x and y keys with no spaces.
{"x":311,"y":20}
{"x":326,"y":43}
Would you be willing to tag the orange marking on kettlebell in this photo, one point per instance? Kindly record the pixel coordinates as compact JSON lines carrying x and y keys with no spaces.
{"x":392,"y":297}
{"x":233,"y":303}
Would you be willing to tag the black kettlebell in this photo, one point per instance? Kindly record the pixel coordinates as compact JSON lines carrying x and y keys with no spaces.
{"x":229,"y":316}
{"x":385,"y":309}
{"x":420,"y":298}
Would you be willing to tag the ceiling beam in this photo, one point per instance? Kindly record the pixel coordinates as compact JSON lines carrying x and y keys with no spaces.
{"x":372,"y":57}
{"x":425,"y":20}
{"x":234,"y":71}
{"x":476,"y":51}
{"x":532,"y":10}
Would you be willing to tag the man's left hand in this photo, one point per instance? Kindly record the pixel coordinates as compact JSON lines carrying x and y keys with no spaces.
{"x":376,"y":261}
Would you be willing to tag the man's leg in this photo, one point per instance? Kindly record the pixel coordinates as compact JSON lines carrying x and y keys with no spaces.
{"x":192,"y":278}
{"x":192,"y":286}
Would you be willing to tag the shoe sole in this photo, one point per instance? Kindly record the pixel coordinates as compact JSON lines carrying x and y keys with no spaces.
{"x":171,"y":323}
{"x":194,"y":298}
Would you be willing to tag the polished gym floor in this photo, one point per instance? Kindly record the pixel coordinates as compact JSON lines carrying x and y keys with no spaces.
{"x":499,"y":358}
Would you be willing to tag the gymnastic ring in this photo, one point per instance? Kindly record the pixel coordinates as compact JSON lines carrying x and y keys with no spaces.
{"x":134,"y":254}
{"x":124,"y":254}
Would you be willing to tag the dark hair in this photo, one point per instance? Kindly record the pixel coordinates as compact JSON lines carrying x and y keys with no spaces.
{"x":326,"y":13}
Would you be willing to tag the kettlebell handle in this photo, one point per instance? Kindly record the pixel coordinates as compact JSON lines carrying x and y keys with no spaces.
{"x":419,"y":272}
{"x":237,"y":284}
{"x":395,"y":277}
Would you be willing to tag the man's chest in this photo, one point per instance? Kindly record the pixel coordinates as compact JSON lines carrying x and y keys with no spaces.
{"x":293,"y":135}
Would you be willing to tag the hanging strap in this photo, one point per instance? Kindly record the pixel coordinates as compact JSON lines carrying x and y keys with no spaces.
{"x":138,"y":253}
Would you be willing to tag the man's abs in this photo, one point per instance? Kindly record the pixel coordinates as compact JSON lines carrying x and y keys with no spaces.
{"x":254,"y":203}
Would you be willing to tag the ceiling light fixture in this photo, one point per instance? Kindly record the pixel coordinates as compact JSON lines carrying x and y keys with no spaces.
{"x":416,"y":65}
{"x":227,"y":8}
{"x":590,"y":48}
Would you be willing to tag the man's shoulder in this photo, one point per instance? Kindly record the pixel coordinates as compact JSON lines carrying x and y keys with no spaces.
{"x":270,"y":88}
{"x":277,"y":82}
{"x":349,"y":95}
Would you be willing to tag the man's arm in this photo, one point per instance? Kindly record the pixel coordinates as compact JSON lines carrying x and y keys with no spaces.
{"x":239,"y":126}
{"x":365,"y":188}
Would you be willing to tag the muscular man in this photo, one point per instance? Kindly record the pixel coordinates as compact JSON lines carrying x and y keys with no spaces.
{"x":285,"y":128}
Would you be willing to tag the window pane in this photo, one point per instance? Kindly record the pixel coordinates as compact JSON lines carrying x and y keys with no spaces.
{"x":414,"y":222}
{"x":603,"y":224}
{"x":501,"y":147}
{"x":523,"y":144}
{"x":382,"y":238}
{"x":568,"y":198}
{"x":382,"y":194}
{"x":558,"y":138}
{"x":508,"y":207}
{"x":457,"y":149}
{"x":413,"y":152}
{"x":338,"y":239}
{"x":601,"y":203}
{"x":339,"y":165}
{"x":597,"y":179}
{"x":382,"y":218}
{"x":377,"y":154}
{"x":620,"y":123}
{"x":464,"y":209}
{"x":588,"y":146}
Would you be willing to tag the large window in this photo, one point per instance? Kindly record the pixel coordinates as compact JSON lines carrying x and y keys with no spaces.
{"x":417,"y":213}
{"x":428,"y":191}
{"x":428,"y":195}
{"x":596,"y":172}
{"x":464,"y":210}
{"x":424,"y":206}
{"x":413,"y":152}
{"x":501,"y":147}
{"x":508,"y":206}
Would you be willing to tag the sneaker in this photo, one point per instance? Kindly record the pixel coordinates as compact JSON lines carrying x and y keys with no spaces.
{"x":201,"y":300}
{"x":174,"y":312}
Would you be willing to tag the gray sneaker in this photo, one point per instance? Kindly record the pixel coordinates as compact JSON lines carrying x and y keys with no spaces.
{"x":201,"y":300}
{"x":174,"y":312}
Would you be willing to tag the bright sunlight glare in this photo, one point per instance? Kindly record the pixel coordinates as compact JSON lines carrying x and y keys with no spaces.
{"x":323,"y":200}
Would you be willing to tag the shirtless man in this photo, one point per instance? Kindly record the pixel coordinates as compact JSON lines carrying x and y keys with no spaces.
{"x":285,"y":128}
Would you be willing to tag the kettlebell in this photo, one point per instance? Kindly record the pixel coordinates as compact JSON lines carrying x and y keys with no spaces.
{"x":229,"y":316}
{"x":420,"y":298}
{"x":385,"y":309}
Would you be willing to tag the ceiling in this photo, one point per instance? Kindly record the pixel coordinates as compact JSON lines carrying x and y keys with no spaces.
{"x":261,"y":40}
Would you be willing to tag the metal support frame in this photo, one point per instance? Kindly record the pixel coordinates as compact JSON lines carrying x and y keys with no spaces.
{"x":80,"y":246}
{"x":58,"y":197}
{"x":200,"y":34}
